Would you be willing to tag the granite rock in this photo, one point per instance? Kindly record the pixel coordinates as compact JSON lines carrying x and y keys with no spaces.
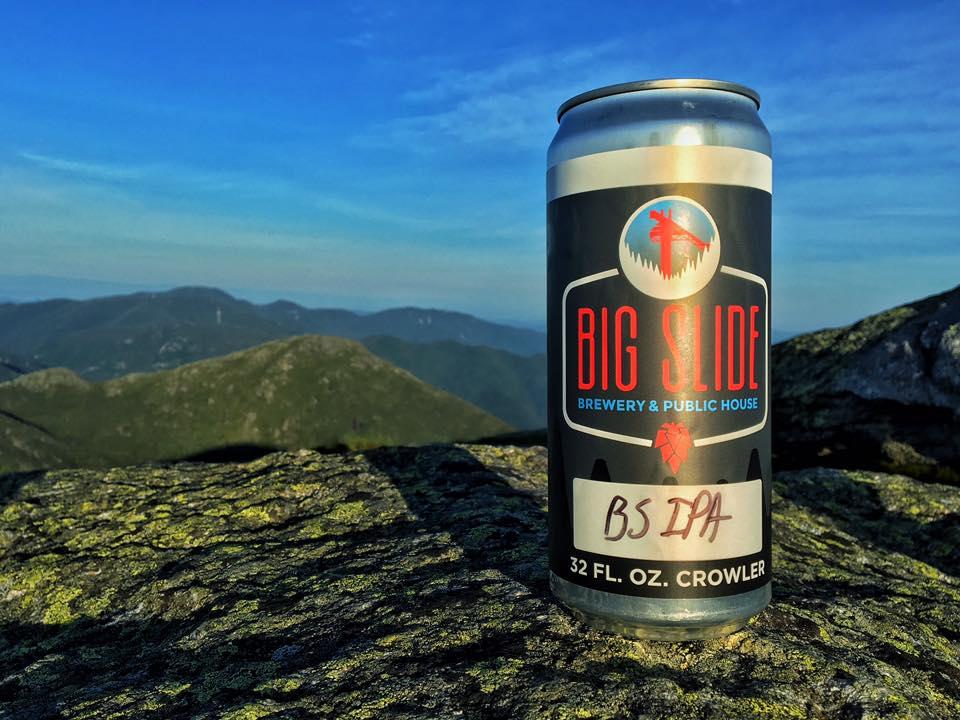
{"x":883,"y":392}
{"x":412,"y":582}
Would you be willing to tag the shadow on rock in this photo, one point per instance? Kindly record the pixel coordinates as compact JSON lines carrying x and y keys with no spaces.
{"x":403,"y":582}
{"x":248,"y":618}
{"x":843,"y":430}
{"x":857,"y":508}
{"x":10,"y":484}
{"x":498,"y":526}
{"x":243,"y":452}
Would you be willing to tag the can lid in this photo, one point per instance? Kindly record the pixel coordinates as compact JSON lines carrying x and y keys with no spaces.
{"x":700,"y":83}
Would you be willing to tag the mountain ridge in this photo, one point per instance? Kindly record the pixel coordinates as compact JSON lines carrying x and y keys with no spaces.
{"x":306,"y":391}
{"x":111,"y":336}
{"x":509,"y":386}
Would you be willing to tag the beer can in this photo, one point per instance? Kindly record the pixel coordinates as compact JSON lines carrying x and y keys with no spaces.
{"x":658,"y":302}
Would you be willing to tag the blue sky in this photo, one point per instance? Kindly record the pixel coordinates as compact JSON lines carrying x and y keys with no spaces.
{"x":368,"y":155}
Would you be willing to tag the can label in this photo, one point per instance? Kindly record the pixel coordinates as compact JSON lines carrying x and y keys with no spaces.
{"x":659,"y":318}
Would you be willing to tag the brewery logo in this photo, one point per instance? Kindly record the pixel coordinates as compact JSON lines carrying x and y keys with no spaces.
{"x":670,"y":247}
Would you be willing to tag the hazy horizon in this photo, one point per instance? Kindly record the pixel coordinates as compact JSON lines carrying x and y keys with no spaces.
{"x":22,"y":290}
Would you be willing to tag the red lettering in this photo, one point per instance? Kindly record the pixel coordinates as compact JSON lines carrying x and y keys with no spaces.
{"x":604,"y":366}
{"x":698,"y":384}
{"x":585,"y":340}
{"x":681,"y":313}
{"x":631,"y":351}
{"x":736,"y":353}
{"x":735,"y":311}
{"x":717,"y":345}
{"x":754,"y":335}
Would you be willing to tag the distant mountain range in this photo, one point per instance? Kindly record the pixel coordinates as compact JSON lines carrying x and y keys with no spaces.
{"x":512,"y":387}
{"x":111,"y":336}
{"x":193,"y":371}
{"x":306,"y":391}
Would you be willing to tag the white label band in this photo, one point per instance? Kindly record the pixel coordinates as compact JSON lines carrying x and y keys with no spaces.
{"x":668,"y":522}
{"x":661,"y":165}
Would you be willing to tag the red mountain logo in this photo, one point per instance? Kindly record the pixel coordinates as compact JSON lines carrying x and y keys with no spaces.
{"x":665,"y":233}
{"x":670,"y":247}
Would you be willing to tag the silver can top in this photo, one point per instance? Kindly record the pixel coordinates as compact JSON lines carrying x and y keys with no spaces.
{"x":665,"y":83}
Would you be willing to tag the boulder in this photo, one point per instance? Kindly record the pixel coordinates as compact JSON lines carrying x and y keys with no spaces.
{"x":412,"y":582}
{"x":882,"y":393}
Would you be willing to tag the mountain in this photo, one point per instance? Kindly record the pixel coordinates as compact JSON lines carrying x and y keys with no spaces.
{"x":411,"y":324}
{"x":108,"y":337}
{"x":303,"y":392}
{"x":882,"y":393}
{"x":13,"y":366}
{"x":25,"y":445}
{"x":512,"y":387}
{"x":779,"y":336}
{"x":112,"y":336}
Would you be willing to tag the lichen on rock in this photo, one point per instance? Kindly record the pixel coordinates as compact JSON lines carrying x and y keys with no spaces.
{"x":412,"y":582}
{"x":884,"y":391}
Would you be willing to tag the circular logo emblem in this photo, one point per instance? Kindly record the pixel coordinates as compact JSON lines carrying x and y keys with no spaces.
{"x":670,"y":247}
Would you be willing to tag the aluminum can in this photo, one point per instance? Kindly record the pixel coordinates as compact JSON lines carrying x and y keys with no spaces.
{"x":658,"y":323}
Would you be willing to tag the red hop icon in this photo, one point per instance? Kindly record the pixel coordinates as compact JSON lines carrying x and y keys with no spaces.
{"x":674,"y":441}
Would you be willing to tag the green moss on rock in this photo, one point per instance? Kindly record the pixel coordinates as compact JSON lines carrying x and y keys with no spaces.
{"x":411,"y":582}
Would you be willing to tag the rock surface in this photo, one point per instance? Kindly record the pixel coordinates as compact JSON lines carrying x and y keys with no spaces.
{"x":887,"y":387}
{"x":412,"y":583}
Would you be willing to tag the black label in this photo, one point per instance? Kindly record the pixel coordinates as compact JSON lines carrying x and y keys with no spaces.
{"x":659,"y":422}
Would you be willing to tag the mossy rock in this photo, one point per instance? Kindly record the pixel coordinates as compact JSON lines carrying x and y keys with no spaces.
{"x":411,"y":582}
{"x":884,"y":391}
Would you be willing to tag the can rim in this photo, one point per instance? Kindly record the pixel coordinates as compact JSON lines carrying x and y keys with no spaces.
{"x":659,"y":84}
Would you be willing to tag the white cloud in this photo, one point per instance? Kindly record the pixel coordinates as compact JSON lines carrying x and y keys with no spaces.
{"x":126,"y":173}
{"x":509,"y":103}
{"x":122,"y":186}
{"x":68,"y":228}
{"x":363,"y":40}
{"x":97,"y":171}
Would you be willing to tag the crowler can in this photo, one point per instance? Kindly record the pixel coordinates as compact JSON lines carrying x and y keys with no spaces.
{"x":658,"y":277}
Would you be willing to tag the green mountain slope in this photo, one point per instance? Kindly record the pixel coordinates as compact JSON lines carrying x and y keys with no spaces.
{"x":109,"y":337}
{"x":25,"y":445}
{"x":306,"y":391}
{"x":512,"y":387}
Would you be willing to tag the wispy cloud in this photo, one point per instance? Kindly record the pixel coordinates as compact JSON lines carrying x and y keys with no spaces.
{"x":363,"y":40}
{"x":523,"y":71}
{"x":96,"y":171}
{"x":98,"y":231}
{"x":128,"y":173}
{"x":126,"y":184}
{"x":398,"y":148}
{"x":502,"y":103}
{"x":371,"y":17}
